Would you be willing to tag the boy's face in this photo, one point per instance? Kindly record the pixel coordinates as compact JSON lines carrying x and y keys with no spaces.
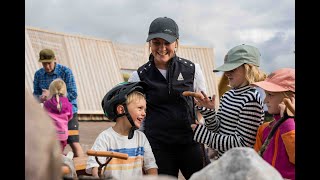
{"x":272,"y":100}
{"x":137,"y":109}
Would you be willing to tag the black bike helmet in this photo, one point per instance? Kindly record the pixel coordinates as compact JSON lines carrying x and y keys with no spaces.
{"x":118,"y":95}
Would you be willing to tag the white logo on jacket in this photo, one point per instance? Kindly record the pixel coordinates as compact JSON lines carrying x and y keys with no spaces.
{"x":180,"y":77}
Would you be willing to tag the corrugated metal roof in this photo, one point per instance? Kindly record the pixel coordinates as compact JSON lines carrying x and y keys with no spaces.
{"x":97,"y":64}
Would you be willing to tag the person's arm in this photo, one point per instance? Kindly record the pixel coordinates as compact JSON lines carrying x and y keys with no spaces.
{"x":37,"y":91}
{"x":72,"y":93}
{"x":149,"y":161}
{"x":44,"y":96}
{"x":152,"y":171}
{"x":244,"y":134}
{"x":199,"y":80}
{"x":134,"y":77}
{"x":206,"y":107}
{"x":98,"y":145}
{"x":210,"y":121}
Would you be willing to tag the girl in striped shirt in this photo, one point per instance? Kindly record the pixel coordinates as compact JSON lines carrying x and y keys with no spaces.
{"x":240,"y":112}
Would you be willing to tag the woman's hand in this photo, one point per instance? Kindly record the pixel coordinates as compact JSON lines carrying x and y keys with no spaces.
{"x":201,"y":99}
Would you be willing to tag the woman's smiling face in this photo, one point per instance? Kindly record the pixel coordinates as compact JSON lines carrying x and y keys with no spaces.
{"x":162,"y":50}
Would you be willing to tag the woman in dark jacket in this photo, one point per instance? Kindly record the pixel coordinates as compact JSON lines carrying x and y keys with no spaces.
{"x":169,"y":113}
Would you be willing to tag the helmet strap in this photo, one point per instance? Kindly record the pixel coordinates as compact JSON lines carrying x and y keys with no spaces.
{"x":133,"y":128}
{"x":131,"y":132}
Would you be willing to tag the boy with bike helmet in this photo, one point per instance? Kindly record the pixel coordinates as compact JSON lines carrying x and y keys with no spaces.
{"x":126,"y":105}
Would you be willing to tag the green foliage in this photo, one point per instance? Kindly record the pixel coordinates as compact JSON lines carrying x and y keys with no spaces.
{"x":125,"y":77}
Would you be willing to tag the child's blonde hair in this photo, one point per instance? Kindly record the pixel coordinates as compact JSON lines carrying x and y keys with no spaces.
{"x":254,"y":74}
{"x":58,"y":88}
{"x":135,"y":96}
{"x":288,"y":94}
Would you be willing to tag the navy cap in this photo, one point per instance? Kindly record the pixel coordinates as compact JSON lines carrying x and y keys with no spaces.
{"x":164,"y":28}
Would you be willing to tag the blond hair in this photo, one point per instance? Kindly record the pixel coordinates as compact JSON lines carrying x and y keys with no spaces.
{"x":223,"y":85}
{"x":288,"y":94}
{"x":254,"y":74}
{"x":135,"y":96}
{"x":58,"y":88}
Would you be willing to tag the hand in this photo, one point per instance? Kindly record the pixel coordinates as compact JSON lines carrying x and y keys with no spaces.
{"x":193,"y":126}
{"x":288,"y":105}
{"x":282,"y":108}
{"x":45,"y":92}
{"x":201,"y":99}
{"x":44,"y":96}
{"x":205,"y":101}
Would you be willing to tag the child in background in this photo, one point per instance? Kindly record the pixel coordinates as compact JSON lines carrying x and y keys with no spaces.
{"x":126,"y":105}
{"x":59,"y":109}
{"x":280,"y":152}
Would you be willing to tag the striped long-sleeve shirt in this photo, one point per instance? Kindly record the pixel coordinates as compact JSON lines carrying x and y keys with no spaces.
{"x":235,"y":124}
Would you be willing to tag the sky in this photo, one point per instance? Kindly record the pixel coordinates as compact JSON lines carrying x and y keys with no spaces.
{"x":268,"y":25}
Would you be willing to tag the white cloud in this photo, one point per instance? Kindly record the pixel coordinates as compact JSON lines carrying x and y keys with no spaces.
{"x":255,"y":35}
{"x":268,"y":25}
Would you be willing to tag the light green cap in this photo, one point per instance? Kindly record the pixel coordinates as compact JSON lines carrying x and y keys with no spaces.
{"x":242,"y":54}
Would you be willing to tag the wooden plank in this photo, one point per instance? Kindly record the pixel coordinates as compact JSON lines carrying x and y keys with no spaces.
{"x":80,"y":163}
{"x":108,"y":154}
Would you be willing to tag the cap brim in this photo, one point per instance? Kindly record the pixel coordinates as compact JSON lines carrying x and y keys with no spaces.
{"x":228,"y":67}
{"x":46,"y":60}
{"x":268,"y":86}
{"x":164,"y":36}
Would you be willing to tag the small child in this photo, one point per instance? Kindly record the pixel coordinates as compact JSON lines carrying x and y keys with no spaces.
{"x":280,"y":152}
{"x":126,"y":105}
{"x":59,"y":109}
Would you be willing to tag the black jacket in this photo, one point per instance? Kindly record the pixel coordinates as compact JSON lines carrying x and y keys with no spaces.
{"x":169,"y":114}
